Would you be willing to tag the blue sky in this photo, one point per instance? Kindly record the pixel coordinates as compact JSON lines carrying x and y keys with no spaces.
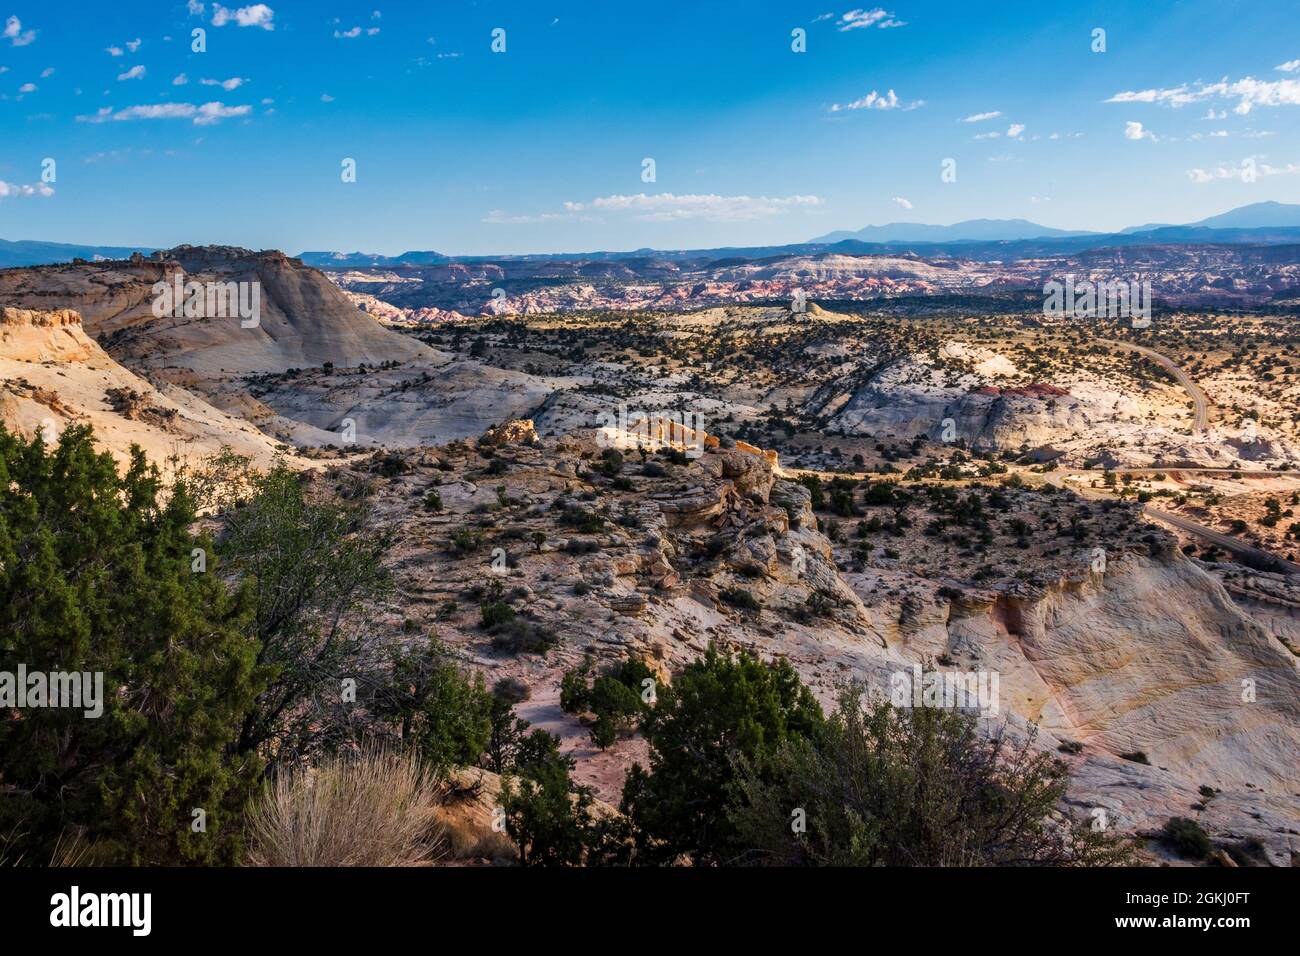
{"x":540,"y":148}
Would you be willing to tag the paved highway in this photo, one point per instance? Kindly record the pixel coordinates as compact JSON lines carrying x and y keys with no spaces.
{"x":1200,"y":417}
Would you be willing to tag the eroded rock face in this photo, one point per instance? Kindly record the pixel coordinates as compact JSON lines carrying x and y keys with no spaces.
{"x":515,"y":432}
{"x":1148,"y":656}
{"x":35,"y":336}
{"x":305,"y":320}
{"x":52,"y":375}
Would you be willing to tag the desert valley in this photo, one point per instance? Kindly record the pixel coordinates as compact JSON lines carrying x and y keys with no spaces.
{"x":905,"y":469}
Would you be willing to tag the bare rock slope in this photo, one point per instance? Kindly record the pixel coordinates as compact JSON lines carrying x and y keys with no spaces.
{"x":52,"y":375}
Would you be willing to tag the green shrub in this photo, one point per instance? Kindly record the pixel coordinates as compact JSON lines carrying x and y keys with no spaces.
{"x":718,"y":710}
{"x":921,"y":786}
{"x":1187,"y":838}
{"x":98,"y":575}
{"x":739,"y":597}
{"x":546,"y":814}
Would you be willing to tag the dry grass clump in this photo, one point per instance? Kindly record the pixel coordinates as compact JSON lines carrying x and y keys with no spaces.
{"x":375,"y":808}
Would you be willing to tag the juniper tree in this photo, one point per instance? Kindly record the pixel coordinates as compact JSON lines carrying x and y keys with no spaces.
{"x":99,"y":572}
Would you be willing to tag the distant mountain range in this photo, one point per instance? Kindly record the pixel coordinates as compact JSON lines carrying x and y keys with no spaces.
{"x":1260,"y":215}
{"x":979,"y":230}
{"x":30,"y":252}
{"x":339,"y":260}
{"x":1261,"y":223}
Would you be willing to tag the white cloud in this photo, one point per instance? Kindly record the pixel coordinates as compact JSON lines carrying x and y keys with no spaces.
{"x":668,"y":207}
{"x":1248,"y":92}
{"x":133,"y":45}
{"x":861,"y":19}
{"x":14,"y":189}
{"x":257,"y":15}
{"x":499,"y":217}
{"x":1134,"y":131}
{"x":874,"y":101}
{"x":1225,"y":171}
{"x":195,"y":8}
{"x":210,"y":113}
{"x":47,"y":72}
{"x":347,"y":34}
{"x":905,"y":203}
{"x":234,"y":83}
{"x":981,"y":117}
{"x":1290,"y":66}
{"x":114,"y":50}
{"x":990,"y":135}
{"x":135,"y":73}
{"x":326,"y":98}
{"x":15,"y":34}
{"x":1014,"y":130}
{"x":27,"y":88}
{"x":204,"y":115}
{"x":180,"y":80}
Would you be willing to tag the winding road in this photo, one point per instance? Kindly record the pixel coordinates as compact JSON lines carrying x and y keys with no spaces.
{"x":1200,"y":418}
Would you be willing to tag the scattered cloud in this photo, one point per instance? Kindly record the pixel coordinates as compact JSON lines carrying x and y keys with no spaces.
{"x":499,"y":217}
{"x":47,"y":72}
{"x":874,"y":101}
{"x":257,"y":15}
{"x":204,"y":115}
{"x":133,"y":45}
{"x":1134,"y":131}
{"x":905,"y":203}
{"x":1246,"y":170}
{"x":862,"y":19}
{"x":1290,"y":66}
{"x":994,"y":134}
{"x":195,"y":8}
{"x":981,"y":117}
{"x":234,"y":83}
{"x":668,"y":207}
{"x":326,"y":98}
{"x":15,"y":34}
{"x":355,"y":32}
{"x":1014,"y":130}
{"x":8,"y":190}
{"x":180,"y":80}
{"x":136,"y":72}
{"x":1248,"y":92}
{"x":27,"y":88}
{"x":114,"y":50}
